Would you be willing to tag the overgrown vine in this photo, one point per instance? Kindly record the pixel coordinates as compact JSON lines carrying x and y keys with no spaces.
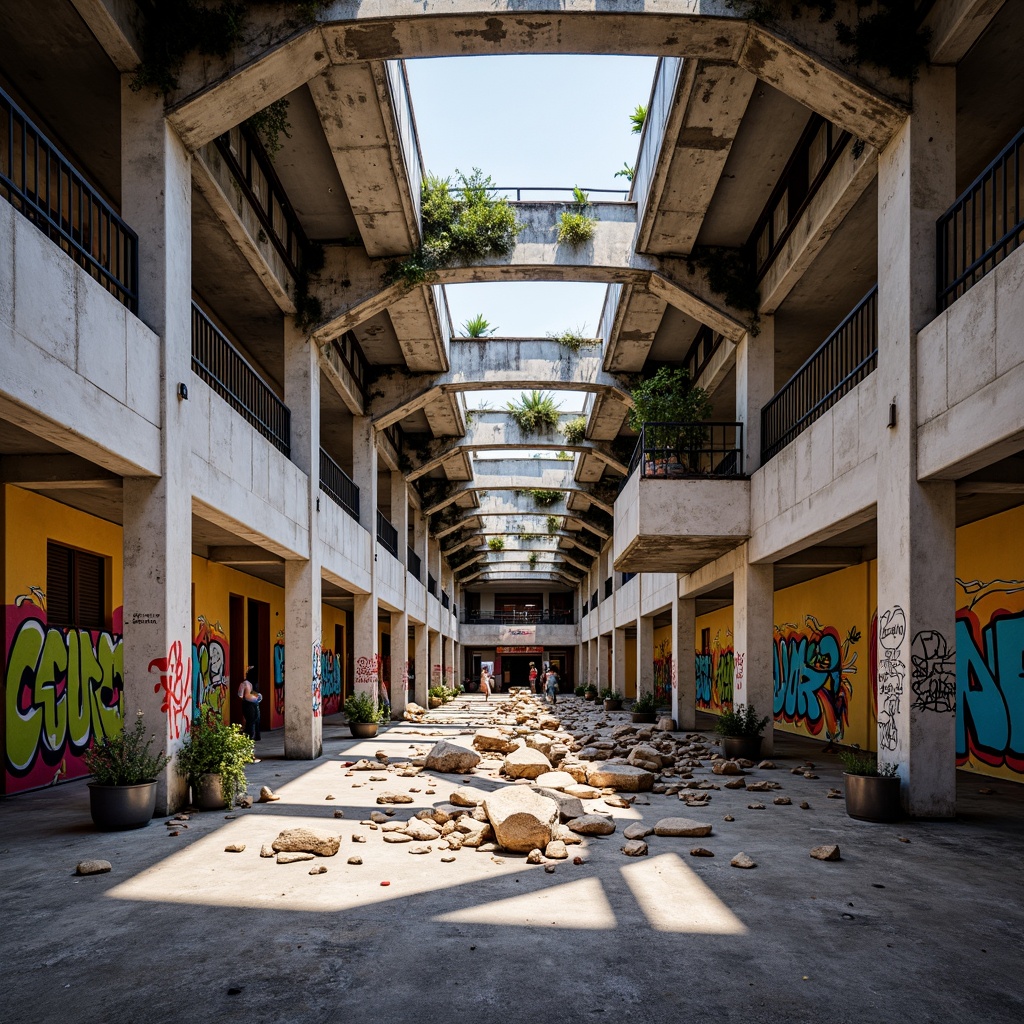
{"x":730,"y":274}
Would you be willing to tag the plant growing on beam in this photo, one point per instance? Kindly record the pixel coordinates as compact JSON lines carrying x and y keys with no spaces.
{"x":544,"y":497}
{"x":533,"y":559}
{"x":462,"y":224}
{"x":637,"y":119}
{"x":575,"y":430}
{"x":575,"y":228}
{"x":575,"y":340}
{"x":554,"y":524}
{"x":478,"y":327}
{"x":496,"y":544}
{"x":535,"y":412}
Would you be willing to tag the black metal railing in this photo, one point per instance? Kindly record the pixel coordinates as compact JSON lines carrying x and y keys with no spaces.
{"x":626,"y":577}
{"x":250,"y":166}
{"x":229,"y":373}
{"x":350,"y":352}
{"x":585,"y":610}
{"x":386,"y":533}
{"x":983,"y":226}
{"x":414,"y":563}
{"x":593,"y":600}
{"x":44,"y":186}
{"x":446,"y":601}
{"x":836,"y":367}
{"x":431,"y":585}
{"x":689,"y":450}
{"x":526,"y":616}
{"x":338,"y":485}
{"x":557,"y":193}
{"x":609,"y":584}
{"x":705,"y":344}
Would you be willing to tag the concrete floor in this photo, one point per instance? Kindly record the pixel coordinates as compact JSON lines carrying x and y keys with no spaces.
{"x":926,"y":930}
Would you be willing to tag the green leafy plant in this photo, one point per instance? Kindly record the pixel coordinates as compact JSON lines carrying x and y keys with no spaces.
{"x":861,"y":762}
{"x":533,"y":559}
{"x":270,"y":124}
{"x":124,"y":759}
{"x":544,"y":497}
{"x":637,"y":119}
{"x":590,"y":690}
{"x":580,"y":690}
{"x":563,"y":457}
{"x":645,"y":704}
{"x":361,"y":707}
{"x":575,"y":430}
{"x":608,"y":694}
{"x":575,"y":228}
{"x":535,"y":411}
{"x":730,"y":274}
{"x":478,"y":327}
{"x":554,"y":524}
{"x":668,"y":397}
{"x":496,"y":543}
{"x":740,"y":723}
{"x":214,"y":747}
{"x":625,"y":171}
{"x":462,"y":224}
{"x":575,"y":340}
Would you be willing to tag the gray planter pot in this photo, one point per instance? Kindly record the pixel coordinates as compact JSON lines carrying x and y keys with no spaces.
{"x":613,"y":704}
{"x":873,"y":797}
{"x":208,"y":793}
{"x":116,"y":808}
{"x":748,"y":747}
{"x":642,"y":718}
{"x":363,"y":730}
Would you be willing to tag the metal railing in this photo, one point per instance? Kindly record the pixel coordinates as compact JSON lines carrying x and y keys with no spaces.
{"x":431,"y":585}
{"x":585,"y":610}
{"x":350,"y":352}
{"x":689,"y":450}
{"x":523,"y":616}
{"x":250,"y":166}
{"x":983,"y":226}
{"x":386,"y":533}
{"x":338,"y":485}
{"x":836,"y":367}
{"x":414,"y":563}
{"x":229,"y":373}
{"x":626,"y":577}
{"x":702,"y":349}
{"x":44,"y":186}
{"x":556,"y":194}
{"x":608,"y":587}
{"x":446,"y":601}
{"x":593,"y":600}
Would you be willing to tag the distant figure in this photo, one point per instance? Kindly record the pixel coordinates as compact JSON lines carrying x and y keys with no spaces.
{"x":249,"y":691}
{"x":551,"y":685}
{"x":485,"y":683}
{"x":533,"y":677}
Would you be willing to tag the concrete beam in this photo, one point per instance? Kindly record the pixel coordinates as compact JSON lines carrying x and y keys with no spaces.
{"x":495,"y":364}
{"x":506,"y":504}
{"x":42,"y":472}
{"x":484,"y":575}
{"x":117,"y":26}
{"x":956,"y":25}
{"x":823,"y":558}
{"x":278,"y":54}
{"x":242,"y":554}
{"x":496,"y":431}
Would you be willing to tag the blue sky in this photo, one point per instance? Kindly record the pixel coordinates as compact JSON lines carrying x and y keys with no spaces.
{"x":551,"y":121}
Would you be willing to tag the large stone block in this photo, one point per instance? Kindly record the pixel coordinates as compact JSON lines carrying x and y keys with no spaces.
{"x":521,"y":818}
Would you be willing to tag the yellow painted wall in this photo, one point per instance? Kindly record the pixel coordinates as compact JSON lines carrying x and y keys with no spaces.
{"x":663,"y":664}
{"x":714,"y":669}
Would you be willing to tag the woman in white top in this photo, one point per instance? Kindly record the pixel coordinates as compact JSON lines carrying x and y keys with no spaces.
{"x":485,"y":683}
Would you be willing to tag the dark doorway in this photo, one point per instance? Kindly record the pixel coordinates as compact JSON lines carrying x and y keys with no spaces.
{"x":236,"y":655}
{"x":518,"y":667}
{"x":258,"y":654}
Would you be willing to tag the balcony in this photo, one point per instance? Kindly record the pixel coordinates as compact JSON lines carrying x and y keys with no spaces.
{"x":415,"y":563}
{"x":44,"y":186}
{"x":446,"y":601}
{"x":431,"y":585}
{"x":338,"y":485}
{"x":527,"y":616}
{"x":226,"y":370}
{"x":685,"y":501}
{"x":387,"y":535}
{"x":836,"y":367}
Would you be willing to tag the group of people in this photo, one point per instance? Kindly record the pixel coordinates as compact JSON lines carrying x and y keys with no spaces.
{"x":547,"y":679}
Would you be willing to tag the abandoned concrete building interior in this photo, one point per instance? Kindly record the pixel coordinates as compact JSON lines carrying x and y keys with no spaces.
{"x":236,"y":430}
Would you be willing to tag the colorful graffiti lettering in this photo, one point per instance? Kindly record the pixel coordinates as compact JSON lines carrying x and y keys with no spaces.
{"x":210,"y":681}
{"x":317,"y":665}
{"x":279,"y":673}
{"x":891,"y":675}
{"x":368,"y":675}
{"x":989,"y":675}
{"x":175,"y":682}
{"x":715,"y":674}
{"x":663,"y":671}
{"x":330,"y":681}
{"x":63,"y":690}
{"x":812,"y":669}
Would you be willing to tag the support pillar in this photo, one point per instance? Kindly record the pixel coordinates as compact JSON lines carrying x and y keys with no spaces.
{"x":156,"y":200}
{"x":365,"y":634}
{"x":448,"y":661}
{"x":435,"y":658}
{"x":399,"y":663}
{"x":604,"y":663}
{"x":303,"y":630}
{"x":618,"y":641}
{"x":916,"y":667}
{"x":755,"y":386}
{"x":684,"y":666}
{"x":753,"y":641}
{"x":644,"y":655}
{"x":583,"y":664}
{"x":422,"y":665}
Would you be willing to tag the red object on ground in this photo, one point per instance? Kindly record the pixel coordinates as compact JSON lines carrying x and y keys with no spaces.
{"x":385,"y":883}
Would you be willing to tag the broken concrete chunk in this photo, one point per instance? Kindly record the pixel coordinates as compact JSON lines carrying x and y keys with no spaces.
{"x":305,"y":840}
{"x":92,"y":867}
{"x":686,"y":827}
{"x":828,"y":852}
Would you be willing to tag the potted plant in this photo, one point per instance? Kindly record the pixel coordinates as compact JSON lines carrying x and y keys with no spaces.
{"x":435,"y":696}
{"x":122,"y":794}
{"x":590,"y":693}
{"x":364,"y":714}
{"x":672,"y":411}
{"x":645,"y":709}
{"x":741,"y":732}
{"x":580,"y":690}
{"x":872,"y":788}
{"x":213,"y":759}
{"x":612,"y":701}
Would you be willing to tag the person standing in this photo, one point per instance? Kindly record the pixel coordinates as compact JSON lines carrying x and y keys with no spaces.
{"x":533,"y":677}
{"x":249,"y":691}
{"x":485,"y":683}
{"x":551,"y":685}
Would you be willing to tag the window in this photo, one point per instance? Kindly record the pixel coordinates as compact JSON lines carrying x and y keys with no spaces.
{"x":74,"y":588}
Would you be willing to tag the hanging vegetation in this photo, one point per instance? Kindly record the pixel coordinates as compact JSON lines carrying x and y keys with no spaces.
{"x":535,"y":412}
{"x":668,"y":397}
{"x":496,"y":543}
{"x":575,"y":430}
{"x":575,"y":340}
{"x":554,"y":524}
{"x":544,"y":497}
{"x":575,"y":228}
{"x":478,"y":327}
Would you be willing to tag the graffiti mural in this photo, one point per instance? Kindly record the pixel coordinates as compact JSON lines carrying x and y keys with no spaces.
{"x":663,"y":671}
{"x":317,"y":666}
{"x":210,"y":680}
{"x":811,"y":669}
{"x":368,"y":675}
{"x":63,"y":690}
{"x":892,"y":673}
{"x":715,"y":672}
{"x":990,"y":674}
{"x":174,"y":685}
{"x":330,"y":681}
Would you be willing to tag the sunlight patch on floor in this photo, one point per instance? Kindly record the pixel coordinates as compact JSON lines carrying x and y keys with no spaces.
{"x":580,"y":904}
{"x":675,"y":899}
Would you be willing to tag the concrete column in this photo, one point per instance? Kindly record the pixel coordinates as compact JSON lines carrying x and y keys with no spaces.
{"x":755,"y":385}
{"x":916,"y":521}
{"x":156,"y":200}
{"x":364,"y":473}
{"x":303,"y":630}
{"x":419,"y":544}
{"x":400,"y":514}
{"x":436,"y":677}
{"x":422,"y":665}
{"x":601,"y":676}
{"x":618,"y":641}
{"x":753,"y":640}
{"x":644,"y":655}
{"x":448,"y":660}
{"x":684,"y":668}
{"x":399,"y":663}
{"x":583,"y":664}
{"x":366,"y":644}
